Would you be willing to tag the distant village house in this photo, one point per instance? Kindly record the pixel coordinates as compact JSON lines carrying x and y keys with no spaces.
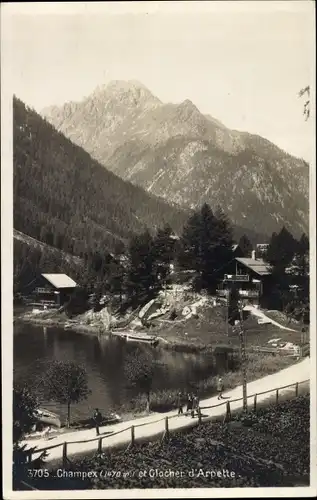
{"x":52,"y":289}
{"x":261,"y":249}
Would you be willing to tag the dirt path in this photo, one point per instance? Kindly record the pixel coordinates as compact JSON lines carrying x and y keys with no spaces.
{"x":261,"y":314}
{"x":298,"y":372}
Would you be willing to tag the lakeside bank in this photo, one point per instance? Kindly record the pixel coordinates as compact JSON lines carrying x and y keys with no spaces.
{"x":81,"y":324}
{"x":104,"y":360}
{"x":298,"y":373}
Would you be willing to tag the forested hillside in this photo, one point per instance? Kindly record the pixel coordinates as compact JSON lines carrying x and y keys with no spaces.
{"x":66,"y":199}
{"x":32,"y":256}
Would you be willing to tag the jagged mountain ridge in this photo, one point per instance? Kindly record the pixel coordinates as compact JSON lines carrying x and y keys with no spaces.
{"x":176,"y":152}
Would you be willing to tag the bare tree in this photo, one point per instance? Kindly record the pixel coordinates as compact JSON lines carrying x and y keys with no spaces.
{"x":305,"y":92}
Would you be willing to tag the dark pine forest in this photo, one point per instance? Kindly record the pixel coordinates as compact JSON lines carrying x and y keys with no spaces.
{"x":64,"y":198}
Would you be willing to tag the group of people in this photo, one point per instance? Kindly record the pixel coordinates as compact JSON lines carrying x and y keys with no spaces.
{"x":193,"y":401}
{"x":192,"y":404}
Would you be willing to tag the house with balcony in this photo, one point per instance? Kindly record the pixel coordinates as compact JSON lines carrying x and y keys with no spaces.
{"x":252,"y":278}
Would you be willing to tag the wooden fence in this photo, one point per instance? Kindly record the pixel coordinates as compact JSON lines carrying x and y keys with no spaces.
{"x":166,"y":430}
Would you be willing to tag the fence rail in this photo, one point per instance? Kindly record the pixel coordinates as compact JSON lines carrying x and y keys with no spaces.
{"x":166,"y":419}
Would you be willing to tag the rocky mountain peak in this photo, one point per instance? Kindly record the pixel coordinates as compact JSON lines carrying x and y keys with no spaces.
{"x":184,"y":156}
{"x":130,"y":91}
{"x":188,"y":106}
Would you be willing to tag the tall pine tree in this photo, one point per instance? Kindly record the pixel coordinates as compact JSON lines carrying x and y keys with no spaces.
{"x":281,"y":250}
{"x":301,"y":260}
{"x":163,"y":251}
{"x":206,"y":245}
{"x":245,"y":245}
{"x":281,"y":257}
{"x":142,"y":282}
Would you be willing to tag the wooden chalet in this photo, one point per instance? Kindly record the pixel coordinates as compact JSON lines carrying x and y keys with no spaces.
{"x":252,"y":277}
{"x":52,"y":290}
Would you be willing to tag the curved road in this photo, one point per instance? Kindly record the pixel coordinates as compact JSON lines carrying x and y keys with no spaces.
{"x":299,"y":372}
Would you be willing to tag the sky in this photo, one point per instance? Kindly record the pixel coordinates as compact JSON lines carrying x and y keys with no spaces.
{"x":242,"y":62}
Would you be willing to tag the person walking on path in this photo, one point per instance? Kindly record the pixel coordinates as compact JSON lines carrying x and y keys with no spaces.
{"x":189,"y":403}
{"x":180,"y":403}
{"x":195,"y":405}
{"x":220,"y":387}
{"x":97,"y":419}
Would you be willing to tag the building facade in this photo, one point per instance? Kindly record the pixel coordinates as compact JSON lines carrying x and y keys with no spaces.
{"x":52,"y":290}
{"x":252,"y":278}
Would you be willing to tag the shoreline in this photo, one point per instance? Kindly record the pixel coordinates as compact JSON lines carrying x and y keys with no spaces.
{"x":259,"y":365}
{"x":170,"y":343}
{"x":54,"y":323}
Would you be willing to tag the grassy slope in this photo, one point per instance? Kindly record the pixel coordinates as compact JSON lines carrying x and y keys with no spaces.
{"x":210,"y":329}
{"x":281,"y":318}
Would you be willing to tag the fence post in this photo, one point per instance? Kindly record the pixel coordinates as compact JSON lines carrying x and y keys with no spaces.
{"x":296,"y":389}
{"x":100,"y":446}
{"x":132,"y":435}
{"x":254,"y":403}
{"x":228,"y":412}
{"x":276,"y":396}
{"x":199,"y":415}
{"x":65,"y":454}
{"x":166,"y":428}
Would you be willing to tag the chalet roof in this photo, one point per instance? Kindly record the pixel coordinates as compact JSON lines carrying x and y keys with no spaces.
{"x":256,"y":265}
{"x":60,"y":280}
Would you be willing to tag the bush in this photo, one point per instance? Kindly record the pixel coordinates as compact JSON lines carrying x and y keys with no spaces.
{"x":163,"y":401}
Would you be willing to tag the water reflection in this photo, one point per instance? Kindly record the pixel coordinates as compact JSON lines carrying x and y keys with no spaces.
{"x":103,"y":359}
